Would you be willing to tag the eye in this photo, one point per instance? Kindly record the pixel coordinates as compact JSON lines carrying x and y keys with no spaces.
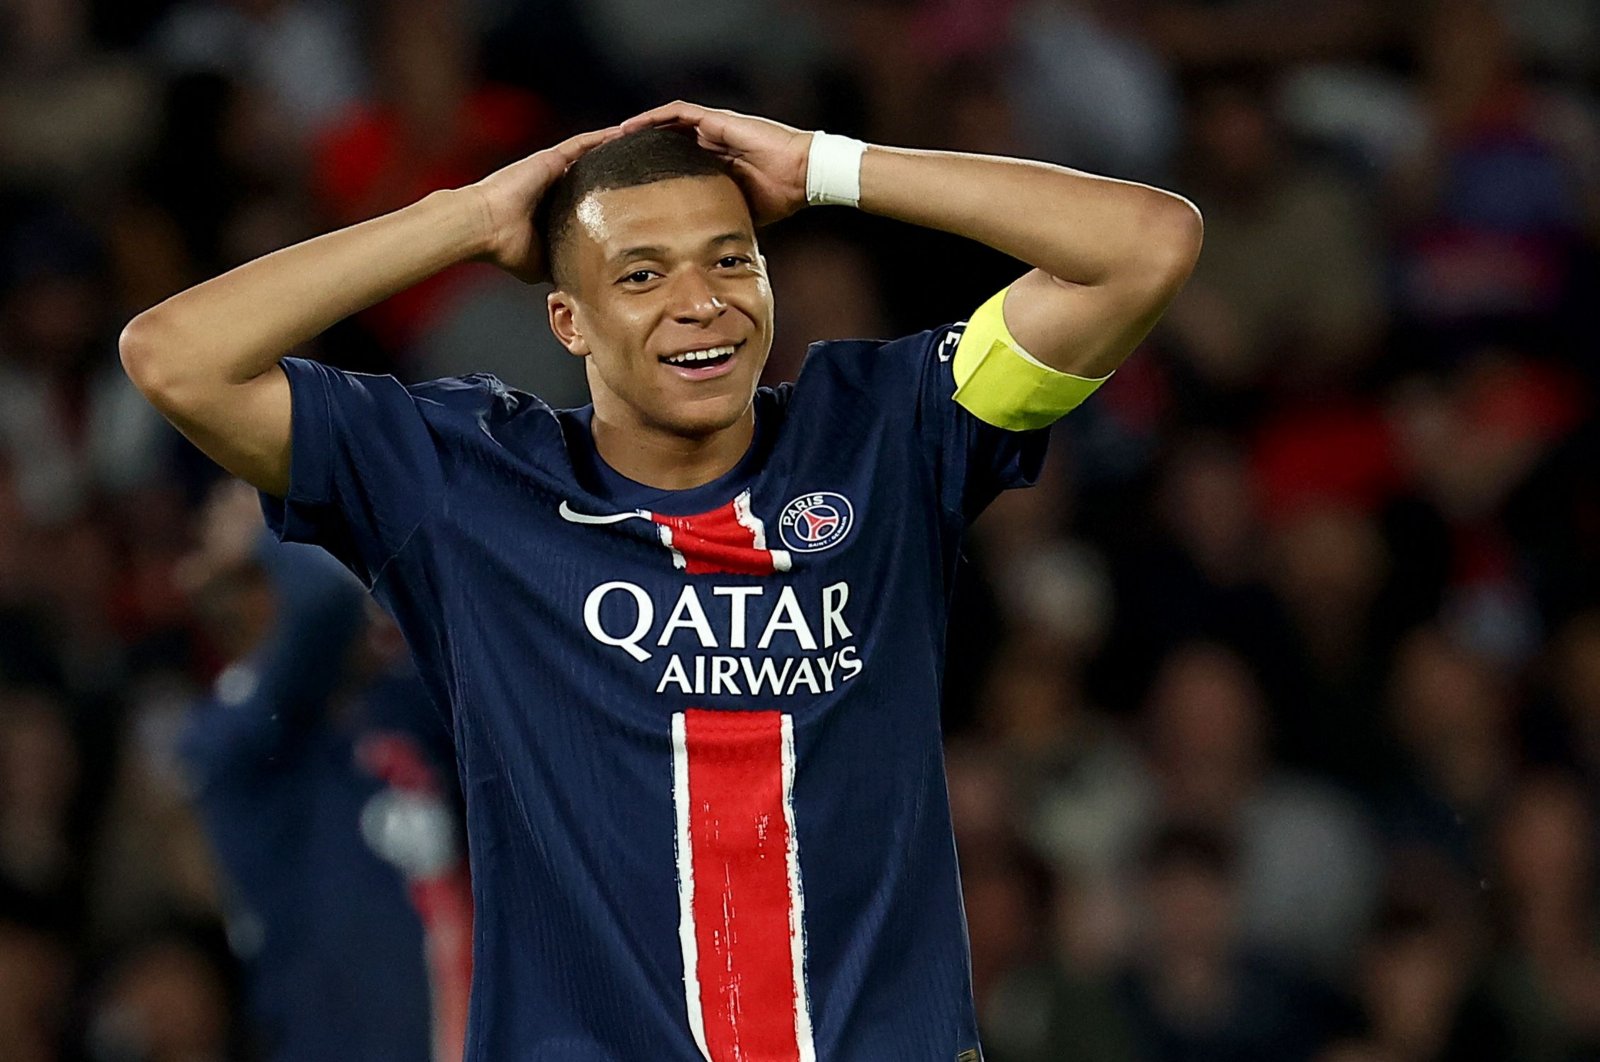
{"x":638,"y":276}
{"x":732,"y":261}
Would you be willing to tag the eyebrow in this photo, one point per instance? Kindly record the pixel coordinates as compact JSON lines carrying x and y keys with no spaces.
{"x":651,"y":251}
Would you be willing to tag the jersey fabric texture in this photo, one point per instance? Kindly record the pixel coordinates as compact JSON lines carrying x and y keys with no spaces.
{"x":697,"y":731}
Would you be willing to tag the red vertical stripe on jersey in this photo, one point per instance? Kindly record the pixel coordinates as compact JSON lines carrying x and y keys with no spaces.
{"x":744,"y":911}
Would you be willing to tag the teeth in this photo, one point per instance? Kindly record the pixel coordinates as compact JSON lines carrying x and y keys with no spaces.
{"x":700,"y":355}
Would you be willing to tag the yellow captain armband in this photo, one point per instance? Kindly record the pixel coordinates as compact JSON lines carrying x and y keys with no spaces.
{"x":1001,"y":384}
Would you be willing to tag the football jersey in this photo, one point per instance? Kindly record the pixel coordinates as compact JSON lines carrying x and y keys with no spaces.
{"x":698,"y":730}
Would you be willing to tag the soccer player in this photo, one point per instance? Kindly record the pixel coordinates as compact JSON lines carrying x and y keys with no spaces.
{"x":325,"y":783}
{"x":690,"y":637}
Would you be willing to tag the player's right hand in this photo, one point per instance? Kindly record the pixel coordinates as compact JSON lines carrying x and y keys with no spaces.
{"x":230,"y":527}
{"x":508,"y":196}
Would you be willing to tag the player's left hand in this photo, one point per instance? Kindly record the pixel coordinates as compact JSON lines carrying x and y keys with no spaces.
{"x":767,"y":158}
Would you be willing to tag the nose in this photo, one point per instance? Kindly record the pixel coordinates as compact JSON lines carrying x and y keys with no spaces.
{"x":693,"y":301}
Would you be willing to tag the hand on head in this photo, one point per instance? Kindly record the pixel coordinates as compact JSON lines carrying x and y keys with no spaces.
{"x":510,"y":195}
{"x":767,"y":158}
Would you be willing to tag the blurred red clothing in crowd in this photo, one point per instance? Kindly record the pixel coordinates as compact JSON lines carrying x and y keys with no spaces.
{"x":377,"y":160}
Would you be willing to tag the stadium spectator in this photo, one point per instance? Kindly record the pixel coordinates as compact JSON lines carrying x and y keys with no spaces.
{"x":1419,"y":993}
{"x":1090,"y":91}
{"x":1547,"y":979}
{"x":429,"y":123}
{"x":1288,"y":294}
{"x":1194,"y":990}
{"x":39,"y":777}
{"x":297,"y":58}
{"x":36,"y":981}
{"x":73,"y":116}
{"x":1306,"y":869}
{"x":1575,"y":689}
{"x":164,"y":996}
{"x":1499,"y":196}
{"x":1454,"y":724}
{"x":1085,"y":795}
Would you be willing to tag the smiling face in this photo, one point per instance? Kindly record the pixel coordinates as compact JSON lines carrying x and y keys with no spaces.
{"x":667,"y":296}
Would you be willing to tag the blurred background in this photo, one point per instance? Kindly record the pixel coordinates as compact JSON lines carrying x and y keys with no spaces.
{"x":1273,"y":712}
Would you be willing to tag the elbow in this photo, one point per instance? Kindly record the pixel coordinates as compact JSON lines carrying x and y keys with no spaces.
{"x":149,"y":348}
{"x":138,"y":347}
{"x":1176,"y":232}
{"x":1192,"y":233}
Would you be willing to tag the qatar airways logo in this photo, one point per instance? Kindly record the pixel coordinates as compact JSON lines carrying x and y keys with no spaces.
{"x":703,"y":643}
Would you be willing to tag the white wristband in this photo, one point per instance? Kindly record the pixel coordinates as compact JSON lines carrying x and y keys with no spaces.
{"x":833,"y":170}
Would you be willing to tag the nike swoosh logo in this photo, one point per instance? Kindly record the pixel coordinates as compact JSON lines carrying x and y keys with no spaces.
{"x":573,"y":517}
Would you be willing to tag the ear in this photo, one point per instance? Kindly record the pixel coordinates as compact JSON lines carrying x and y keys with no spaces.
{"x":564,"y":323}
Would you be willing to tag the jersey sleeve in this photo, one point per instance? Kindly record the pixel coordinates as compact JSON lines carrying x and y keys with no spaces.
{"x":364,"y":468}
{"x":1000,"y":383}
{"x":985,"y":409}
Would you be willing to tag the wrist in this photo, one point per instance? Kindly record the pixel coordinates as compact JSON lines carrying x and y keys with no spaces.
{"x":833,"y":170}
{"x":470,"y":217}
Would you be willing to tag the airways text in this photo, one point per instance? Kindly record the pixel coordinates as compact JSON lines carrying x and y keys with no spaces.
{"x":821,"y":653}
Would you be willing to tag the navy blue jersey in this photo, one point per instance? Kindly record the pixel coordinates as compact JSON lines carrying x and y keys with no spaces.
{"x":698,"y":730}
{"x":296,"y":782}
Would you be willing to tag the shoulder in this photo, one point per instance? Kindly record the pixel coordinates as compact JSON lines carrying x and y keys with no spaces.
{"x":480,"y":397}
{"x":868,"y":362}
{"x":475,"y":392}
{"x":457,"y":411}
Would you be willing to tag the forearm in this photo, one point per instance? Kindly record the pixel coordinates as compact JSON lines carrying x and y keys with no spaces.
{"x":321,"y":609}
{"x":292,"y":674}
{"x":1108,"y":255}
{"x":236,"y":326}
{"x":1077,"y":227}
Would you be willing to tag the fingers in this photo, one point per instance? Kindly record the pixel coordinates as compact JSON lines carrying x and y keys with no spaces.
{"x":600,"y":136}
{"x":678,"y":112}
{"x":572,"y":147}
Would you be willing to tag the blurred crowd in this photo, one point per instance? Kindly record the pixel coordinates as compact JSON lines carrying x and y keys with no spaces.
{"x":1273,"y":712}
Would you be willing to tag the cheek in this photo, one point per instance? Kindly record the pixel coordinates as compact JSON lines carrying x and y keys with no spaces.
{"x":620,"y":330}
{"x":763,"y":297}
{"x":755,"y":302}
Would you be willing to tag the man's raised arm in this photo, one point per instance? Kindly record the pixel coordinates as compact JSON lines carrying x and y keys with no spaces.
{"x":207,"y":358}
{"x":1108,"y":254}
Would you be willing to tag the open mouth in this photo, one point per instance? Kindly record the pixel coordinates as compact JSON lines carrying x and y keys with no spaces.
{"x":698,"y":364}
{"x":702,"y":358}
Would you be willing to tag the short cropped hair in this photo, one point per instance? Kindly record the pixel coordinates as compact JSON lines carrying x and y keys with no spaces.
{"x":644,"y":157}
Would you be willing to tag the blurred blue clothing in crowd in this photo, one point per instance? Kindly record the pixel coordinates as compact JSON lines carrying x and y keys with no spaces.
{"x":332,"y":944}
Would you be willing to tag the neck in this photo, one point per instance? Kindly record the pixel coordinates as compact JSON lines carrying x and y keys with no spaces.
{"x":665,"y":460}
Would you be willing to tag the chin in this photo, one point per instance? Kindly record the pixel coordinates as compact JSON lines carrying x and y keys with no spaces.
{"x":707,"y":416}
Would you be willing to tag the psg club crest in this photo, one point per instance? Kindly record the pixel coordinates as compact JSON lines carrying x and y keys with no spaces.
{"x":815,"y":522}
